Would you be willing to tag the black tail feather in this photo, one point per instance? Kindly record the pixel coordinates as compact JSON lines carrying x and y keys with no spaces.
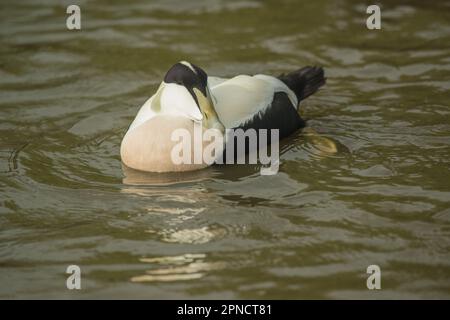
{"x":305,"y":81}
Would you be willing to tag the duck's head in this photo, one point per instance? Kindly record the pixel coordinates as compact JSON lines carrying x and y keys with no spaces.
{"x":184,"y":92}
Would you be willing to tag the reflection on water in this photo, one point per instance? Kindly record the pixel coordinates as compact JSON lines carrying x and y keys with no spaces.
{"x":366,"y":183}
{"x":135,"y":177}
{"x":177,"y":268}
{"x":199,"y":235}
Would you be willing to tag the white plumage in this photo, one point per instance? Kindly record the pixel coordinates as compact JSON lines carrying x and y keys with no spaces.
{"x":187,"y":96}
{"x":236,"y":100}
{"x":239,"y":99}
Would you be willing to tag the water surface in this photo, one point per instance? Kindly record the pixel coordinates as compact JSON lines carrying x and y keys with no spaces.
{"x":67,"y":98}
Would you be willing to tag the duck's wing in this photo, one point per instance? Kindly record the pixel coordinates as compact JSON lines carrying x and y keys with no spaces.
{"x":214,"y":81}
{"x":259,"y":102}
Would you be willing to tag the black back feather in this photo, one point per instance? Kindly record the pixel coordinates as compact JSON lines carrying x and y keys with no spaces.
{"x":305,"y":81}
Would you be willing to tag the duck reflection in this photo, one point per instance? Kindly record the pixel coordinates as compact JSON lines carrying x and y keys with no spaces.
{"x":135,"y":177}
{"x":194,"y":235}
{"x":176,"y":200}
{"x":188,"y":266}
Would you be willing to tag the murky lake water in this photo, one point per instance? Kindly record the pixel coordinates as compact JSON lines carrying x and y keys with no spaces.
{"x":67,"y":98}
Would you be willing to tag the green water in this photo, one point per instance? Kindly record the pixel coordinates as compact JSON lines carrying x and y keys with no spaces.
{"x":67,"y":98}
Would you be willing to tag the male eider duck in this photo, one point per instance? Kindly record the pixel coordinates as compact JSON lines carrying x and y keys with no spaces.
{"x":188,"y":97}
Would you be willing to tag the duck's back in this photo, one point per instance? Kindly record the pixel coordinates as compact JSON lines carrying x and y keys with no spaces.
{"x":239,"y":99}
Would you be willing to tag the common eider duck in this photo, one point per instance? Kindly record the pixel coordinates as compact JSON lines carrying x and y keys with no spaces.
{"x":188,"y":98}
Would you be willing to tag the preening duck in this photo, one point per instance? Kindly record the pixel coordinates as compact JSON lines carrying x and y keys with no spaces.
{"x":187,"y":98}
